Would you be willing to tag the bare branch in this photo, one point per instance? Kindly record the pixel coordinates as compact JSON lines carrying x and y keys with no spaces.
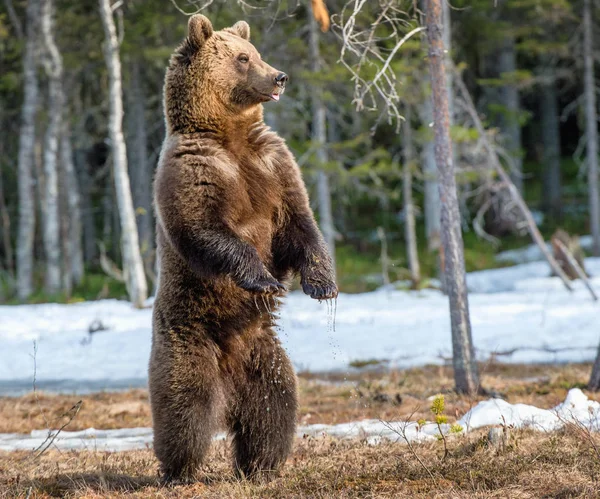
{"x":14,"y":19}
{"x":362,"y":49}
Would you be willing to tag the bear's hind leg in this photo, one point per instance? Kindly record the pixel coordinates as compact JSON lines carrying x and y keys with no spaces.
{"x":186,"y":404}
{"x":262,"y":418}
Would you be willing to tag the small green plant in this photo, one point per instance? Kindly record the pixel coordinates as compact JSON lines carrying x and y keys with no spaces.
{"x":437,"y":409}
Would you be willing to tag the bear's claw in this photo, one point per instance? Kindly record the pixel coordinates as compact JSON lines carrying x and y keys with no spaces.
{"x":266,"y":285}
{"x":320,"y":291}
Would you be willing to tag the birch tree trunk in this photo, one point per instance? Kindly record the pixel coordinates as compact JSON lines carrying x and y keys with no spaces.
{"x":133,"y":268}
{"x":591,"y":125}
{"x":466,"y":376}
{"x":26,"y":227}
{"x":551,"y":143}
{"x":51,"y":213}
{"x":319,"y":140}
{"x":410,"y":235}
{"x":74,"y":232}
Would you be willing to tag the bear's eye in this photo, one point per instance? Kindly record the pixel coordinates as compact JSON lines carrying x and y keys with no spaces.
{"x":243,"y":58}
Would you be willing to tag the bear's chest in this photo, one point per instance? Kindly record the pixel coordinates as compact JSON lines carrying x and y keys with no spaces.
{"x":259,"y":200}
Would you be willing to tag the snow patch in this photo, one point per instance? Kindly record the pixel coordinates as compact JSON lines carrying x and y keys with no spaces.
{"x":576,"y":408}
{"x":518,"y":312}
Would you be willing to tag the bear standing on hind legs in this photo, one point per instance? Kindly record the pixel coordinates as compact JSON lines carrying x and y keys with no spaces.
{"x":233,"y":226}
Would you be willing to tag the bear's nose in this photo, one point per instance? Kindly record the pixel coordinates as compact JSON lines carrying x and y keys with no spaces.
{"x":281,"y":79}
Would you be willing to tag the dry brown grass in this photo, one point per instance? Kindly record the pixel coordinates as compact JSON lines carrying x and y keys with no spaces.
{"x":532,"y":465}
{"x":562,"y":464}
{"x":329,"y":399}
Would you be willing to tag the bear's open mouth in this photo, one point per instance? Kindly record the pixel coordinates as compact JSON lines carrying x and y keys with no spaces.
{"x":273,"y":95}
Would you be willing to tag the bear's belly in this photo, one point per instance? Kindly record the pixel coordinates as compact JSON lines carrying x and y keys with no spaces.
{"x":213,"y":302}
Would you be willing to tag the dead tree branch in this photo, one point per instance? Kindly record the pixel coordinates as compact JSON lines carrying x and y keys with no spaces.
{"x":573,"y":262}
{"x":515,"y":195}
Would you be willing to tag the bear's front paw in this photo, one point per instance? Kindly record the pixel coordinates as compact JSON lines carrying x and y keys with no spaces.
{"x":266,"y":285}
{"x":319,"y":288}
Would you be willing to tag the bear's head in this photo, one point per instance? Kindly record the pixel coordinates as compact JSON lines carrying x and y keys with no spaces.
{"x":216,"y":77}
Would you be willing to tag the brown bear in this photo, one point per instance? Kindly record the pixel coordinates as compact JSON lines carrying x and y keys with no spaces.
{"x":233,"y":226}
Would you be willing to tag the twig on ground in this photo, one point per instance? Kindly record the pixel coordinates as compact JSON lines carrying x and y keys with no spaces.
{"x":45,"y":445}
{"x":402,"y":433}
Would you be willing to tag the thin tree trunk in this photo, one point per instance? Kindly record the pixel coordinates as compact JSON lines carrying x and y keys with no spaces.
{"x":74,"y":234}
{"x":509,"y":120}
{"x":447,"y":37}
{"x":466,"y":376}
{"x":6,"y":239}
{"x":410,"y":235}
{"x":7,"y":249}
{"x":87,"y":210}
{"x":591,"y":131}
{"x":26,"y":228}
{"x":594,"y":383}
{"x":551,"y":143}
{"x":65,"y":251}
{"x":50,"y":202}
{"x":430,"y":173}
{"x":140,"y":168}
{"x":133,"y":268}
{"x":591,"y":125}
{"x":319,"y":140}
{"x":14,"y":19}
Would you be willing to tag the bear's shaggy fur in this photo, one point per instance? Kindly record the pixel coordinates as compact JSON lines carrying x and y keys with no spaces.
{"x":233,"y":225}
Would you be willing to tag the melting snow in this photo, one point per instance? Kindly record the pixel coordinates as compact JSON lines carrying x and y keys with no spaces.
{"x":518,"y":312}
{"x":576,"y":408}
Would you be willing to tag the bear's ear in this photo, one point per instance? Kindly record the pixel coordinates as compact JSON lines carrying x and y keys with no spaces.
{"x":199,"y":29}
{"x":242,"y":29}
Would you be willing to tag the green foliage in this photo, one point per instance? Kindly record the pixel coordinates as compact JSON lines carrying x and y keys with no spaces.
{"x":438,"y":405}
{"x":455,"y":429}
{"x":93,"y":287}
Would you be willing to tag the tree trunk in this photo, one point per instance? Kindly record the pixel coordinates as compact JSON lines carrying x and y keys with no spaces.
{"x":74,"y":233}
{"x":133,"y":268}
{"x":551,"y":143}
{"x":594,"y":383}
{"x":591,"y":125}
{"x":447,"y":38}
{"x":50,"y":202}
{"x":5,"y":222}
{"x":466,"y":374}
{"x":6,"y":239}
{"x":319,"y":140}
{"x":508,"y":96}
{"x":26,"y":228}
{"x":591,"y":131}
{"x":430,"y":174}
{"x":409,"y":212}
{"x":141,"y":172}
{"x":87,"y":211}
{"x":14,"y":19}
